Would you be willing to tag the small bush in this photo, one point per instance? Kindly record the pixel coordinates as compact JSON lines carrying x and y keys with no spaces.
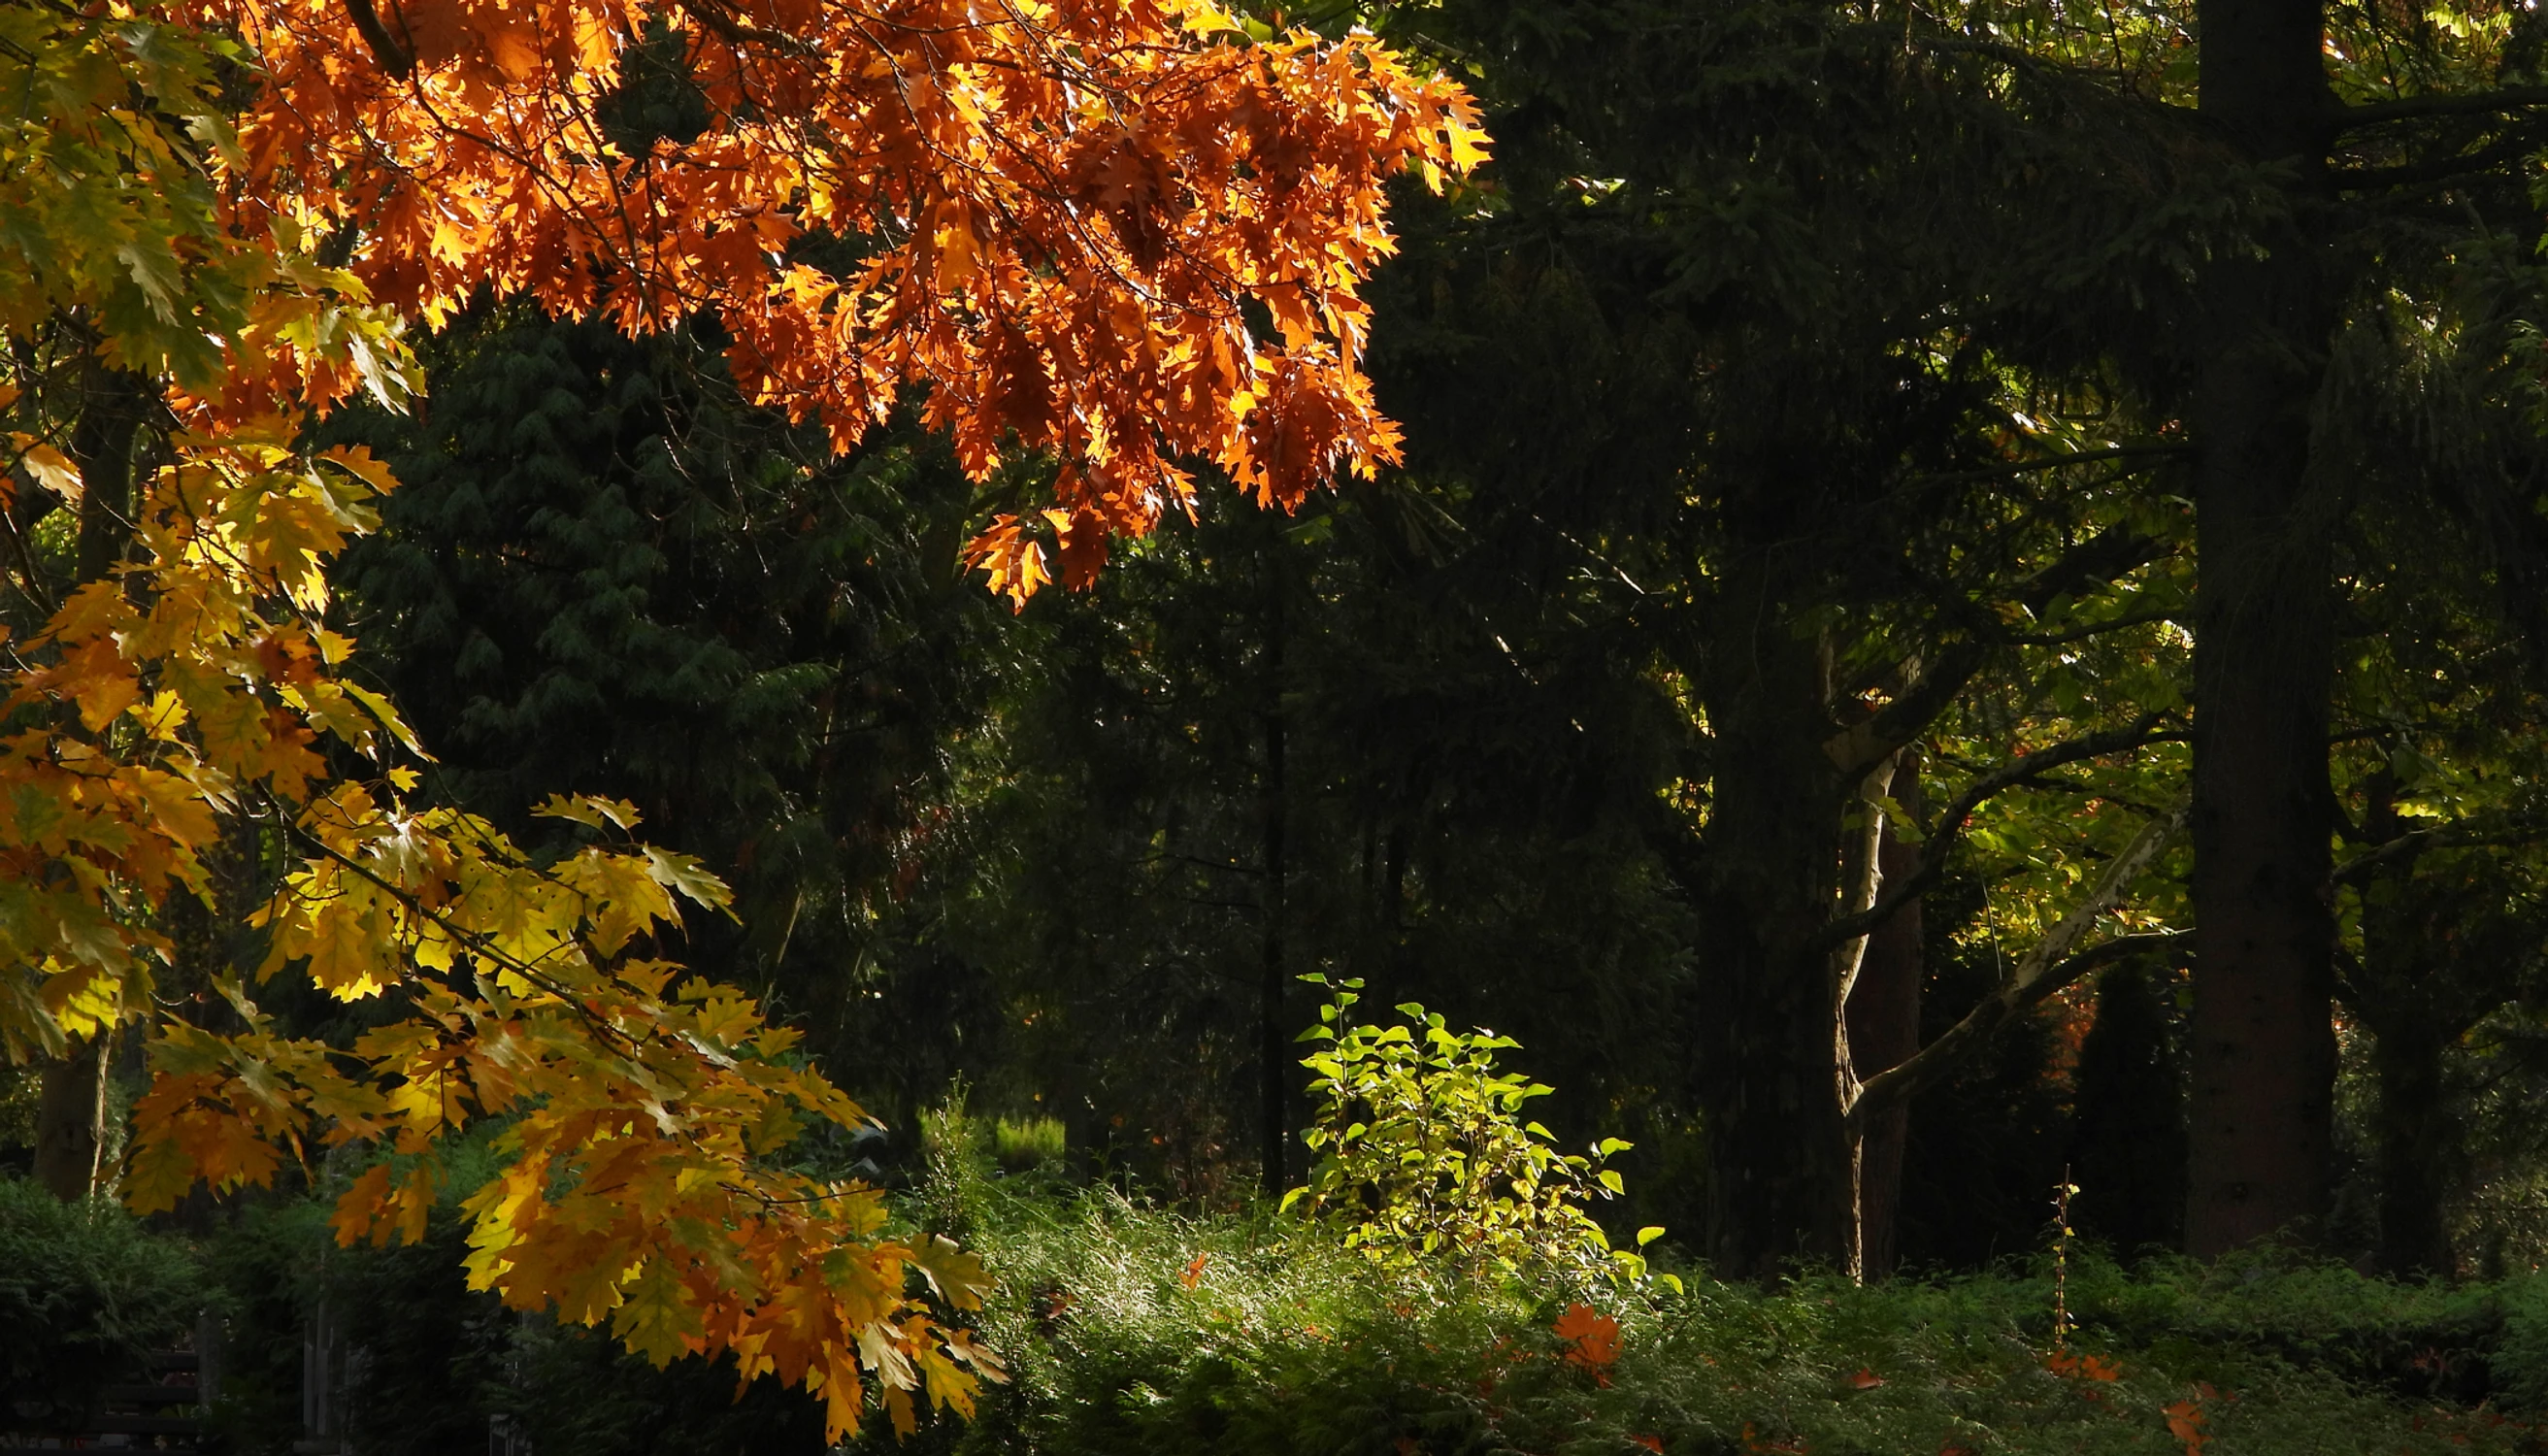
{"x":1429,"y":1159}
{"x":85,"y":1294}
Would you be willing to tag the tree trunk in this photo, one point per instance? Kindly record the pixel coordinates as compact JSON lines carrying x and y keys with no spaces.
{"x":1883,"y":1032}
{"x":2414,"y":1139}
{"x":1780,"y":1185}
{"x":2128,"y":1138}
{"x":70,"y":1107}
{"x":1273,"y":1042}
{"x":2264,"y":1050}
{"x":70,"y":1121}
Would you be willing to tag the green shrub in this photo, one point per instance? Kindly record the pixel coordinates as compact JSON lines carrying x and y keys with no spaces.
{"x":85,"y":1294}
{"x":1428,"y":1159}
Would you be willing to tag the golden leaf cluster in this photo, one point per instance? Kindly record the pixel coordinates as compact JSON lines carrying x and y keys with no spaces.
{"x":1122,"y":233}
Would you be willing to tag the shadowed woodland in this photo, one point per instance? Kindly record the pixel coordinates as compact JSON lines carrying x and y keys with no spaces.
{"x":1934,"y":612}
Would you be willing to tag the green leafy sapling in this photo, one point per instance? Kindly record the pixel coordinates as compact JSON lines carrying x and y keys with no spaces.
{"x":1426,"y":1158}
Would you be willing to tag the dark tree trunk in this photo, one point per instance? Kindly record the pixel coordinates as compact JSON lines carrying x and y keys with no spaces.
{"x":1273,"y":1042}
{"x":1780,"y":1185}
{"x":2264,"y":1052}
{"x":2415,"y":1138}
{"x":2128,"y":1140}
{"x":70,"y":1107}
{"x":1883,"y":1032}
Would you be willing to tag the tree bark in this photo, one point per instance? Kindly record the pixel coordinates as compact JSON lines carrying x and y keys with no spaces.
{"x":71,"y":1119}
{"x":1779,"y":1183}
{"x":1883,"y":1032}
{"x":1273,"y":1043}
{"x":70,"y":1107}
{"x":2414,"y":1140}
{"x":2259,"y":1129}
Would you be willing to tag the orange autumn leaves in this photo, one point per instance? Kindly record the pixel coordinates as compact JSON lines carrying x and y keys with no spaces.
{"x":1123,"y":236}
{"x":1118,"y":232}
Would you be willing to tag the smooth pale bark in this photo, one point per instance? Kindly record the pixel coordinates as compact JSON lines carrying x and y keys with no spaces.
{"x":1883,"y":1032}
{"x":2259,"y":1119}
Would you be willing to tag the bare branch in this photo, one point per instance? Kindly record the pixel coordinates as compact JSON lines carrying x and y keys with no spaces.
{"x":2440,"y":104}
{"x":2044,"y":971}
{"x":1950,"y":828}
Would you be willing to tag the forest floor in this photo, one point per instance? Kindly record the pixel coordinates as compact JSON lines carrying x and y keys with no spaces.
{"x":1133,"y":1332}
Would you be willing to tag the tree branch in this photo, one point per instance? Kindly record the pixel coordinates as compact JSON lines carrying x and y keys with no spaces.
{"x":734,"y":30}
{"x":2075,"y":457}
{"x":394,"y":58}
{"x":2437,"y":169}
{"x":2441,"y":837}
{"x":2103,"y":557}
{"x":2039,"y":975}
{"x":1900,"y":1082}
{"x":2439,"y":104}
{"x":1950,"y":828}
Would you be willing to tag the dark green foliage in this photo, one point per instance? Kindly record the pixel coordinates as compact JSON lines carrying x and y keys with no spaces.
{"x":604,"y":574}
{"x":84,"y":1296}
{"x":427,"y":1368}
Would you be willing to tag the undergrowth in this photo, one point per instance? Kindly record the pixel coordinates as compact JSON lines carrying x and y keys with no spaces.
{"x":1133,"y":1332}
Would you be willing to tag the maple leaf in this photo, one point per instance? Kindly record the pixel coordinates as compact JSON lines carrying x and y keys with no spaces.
{"x":1594,"y":1335}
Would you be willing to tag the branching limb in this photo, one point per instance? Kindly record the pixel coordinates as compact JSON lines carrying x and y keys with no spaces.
{"x":732,"y":28}
{"x":1943,"y":837}
{"x":2046,"y":969}
{"x":2161,"y":451}
{"x":2442,"y":837}
{"x":2435,"y":170}
{"x":2440,"y":104}
{"x":2108,"y":554}
{"x":397,"y":60}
